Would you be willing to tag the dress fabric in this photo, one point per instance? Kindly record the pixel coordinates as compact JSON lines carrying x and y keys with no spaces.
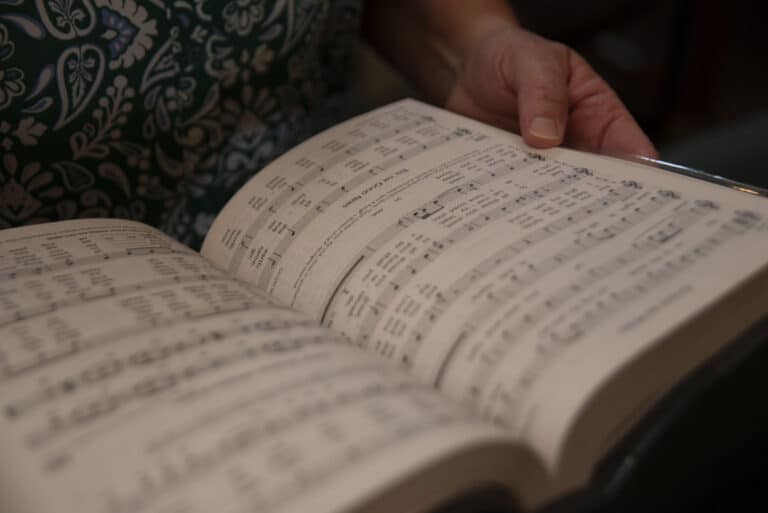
{"x":159,"y":111}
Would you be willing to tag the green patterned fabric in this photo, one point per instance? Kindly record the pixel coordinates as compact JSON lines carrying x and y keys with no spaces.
{"x":155,"y":110}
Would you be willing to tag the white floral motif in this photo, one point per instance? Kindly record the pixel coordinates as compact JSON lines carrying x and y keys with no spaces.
{"x":80,"y":71}
{"x":70,"y":21}
{"x":199,"y":34}
{"x":241,"y":15}
{"x":11,"y":85}
{"x":27,"y":132}
{"x":164,"y":64}
{"x":11,"y":78}
{"x":229,"y":68}
{"x":94,"y":140}
{"x":200,"y":10}
{"x":166,"y":103}
{"x":218,"y":63}
{"x":158,"y":110}
{"x":262,"y":56}
{"x":251,"y":142}
{"x":129,"y":31}
{"x":21,"y":190}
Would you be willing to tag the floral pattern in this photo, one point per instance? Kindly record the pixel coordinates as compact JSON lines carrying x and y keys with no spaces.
{"x":242,"y":15}
{"x":11,"y":77}
{"x":159,"y":111}
{"x":130,"y":31}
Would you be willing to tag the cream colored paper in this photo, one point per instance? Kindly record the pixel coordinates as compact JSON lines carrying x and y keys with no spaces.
{"x":514,"y":280}
{"x":136,"y":377}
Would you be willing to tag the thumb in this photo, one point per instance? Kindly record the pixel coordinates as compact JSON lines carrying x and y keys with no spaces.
{"x":539,"y":74}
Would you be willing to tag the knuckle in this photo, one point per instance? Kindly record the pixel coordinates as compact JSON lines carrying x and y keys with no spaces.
{"x":561,"y":51}
{"x":545,"y":93}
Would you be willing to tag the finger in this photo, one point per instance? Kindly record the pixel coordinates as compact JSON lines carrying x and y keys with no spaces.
{"x":624,"y":137}
{"x":539,"y":73}
{"x":599,"y":121}
{"x":461,"y":102}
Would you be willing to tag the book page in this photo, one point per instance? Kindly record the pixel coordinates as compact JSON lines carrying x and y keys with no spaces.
{"x":136,"y":377}
{"x":514,"y":280}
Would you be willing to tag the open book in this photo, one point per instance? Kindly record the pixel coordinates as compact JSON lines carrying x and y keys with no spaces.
{"x":404,"y":308}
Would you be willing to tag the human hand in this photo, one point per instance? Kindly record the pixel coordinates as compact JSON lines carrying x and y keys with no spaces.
{"x":516,"y":80}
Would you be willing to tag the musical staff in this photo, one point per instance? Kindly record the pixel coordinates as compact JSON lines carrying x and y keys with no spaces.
{"x":477,"y":264}
{"x":181,"y":375}
{"x":382,"y":130}
{"x":564,"y":330}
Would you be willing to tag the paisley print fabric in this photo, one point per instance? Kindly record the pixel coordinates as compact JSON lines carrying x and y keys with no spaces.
{"x":159,"y":110}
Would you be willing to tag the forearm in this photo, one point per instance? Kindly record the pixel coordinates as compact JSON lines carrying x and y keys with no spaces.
{"x":427,"y":40}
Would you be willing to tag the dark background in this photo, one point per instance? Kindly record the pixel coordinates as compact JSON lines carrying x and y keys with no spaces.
{"x":694,"y":73}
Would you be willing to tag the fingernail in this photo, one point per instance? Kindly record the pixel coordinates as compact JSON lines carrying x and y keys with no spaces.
{"x":544,"y":128}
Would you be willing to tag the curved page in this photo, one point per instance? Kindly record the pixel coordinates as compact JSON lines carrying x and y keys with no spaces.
{"x":136,"y":377}
{"x":516,"y":281}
